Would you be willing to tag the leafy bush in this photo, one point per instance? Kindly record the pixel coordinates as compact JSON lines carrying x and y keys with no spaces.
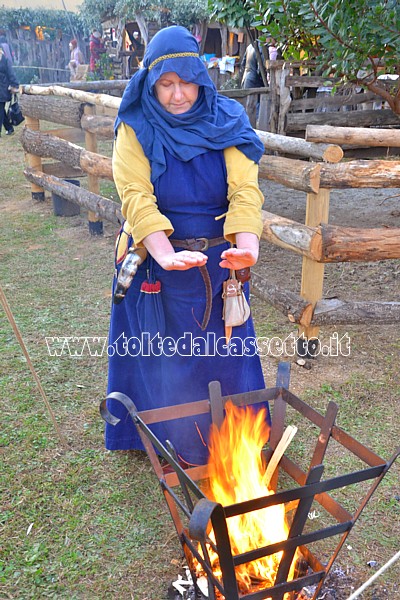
{"x":13,"y":18}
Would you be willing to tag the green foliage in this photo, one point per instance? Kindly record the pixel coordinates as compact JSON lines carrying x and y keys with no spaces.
{"x":91,"y":12}
{"x":181,"y":12}
{"x":231,"y":12}
{"x":104,"y":69}
{"x":343,"y":35}
{"x":351,"y":39}
{"x":13,"y":18}
{"x":187,"y":13}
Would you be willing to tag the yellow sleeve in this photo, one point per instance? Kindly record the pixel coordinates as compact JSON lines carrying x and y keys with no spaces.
{"x":131,"y":171}
{"x":244,"y":196}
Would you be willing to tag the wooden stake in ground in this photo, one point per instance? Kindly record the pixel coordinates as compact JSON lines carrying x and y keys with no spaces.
{"x":13,"y":324}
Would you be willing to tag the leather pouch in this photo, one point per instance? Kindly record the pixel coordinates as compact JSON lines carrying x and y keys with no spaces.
{"x":236,"y":310}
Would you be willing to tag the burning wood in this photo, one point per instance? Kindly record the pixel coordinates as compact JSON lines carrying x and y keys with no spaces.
{"x":237,"y":474}
{"x":279,"y":451}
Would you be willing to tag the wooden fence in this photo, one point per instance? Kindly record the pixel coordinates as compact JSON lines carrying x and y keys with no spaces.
{"x":299,"y":97}
{"x":90,"y":117}
{"x":45,"y":59}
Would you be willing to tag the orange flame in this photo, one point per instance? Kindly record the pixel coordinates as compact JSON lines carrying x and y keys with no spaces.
{"x":236,"y":470}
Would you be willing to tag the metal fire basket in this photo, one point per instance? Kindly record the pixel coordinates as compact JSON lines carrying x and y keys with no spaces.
{"x":194,"y":514}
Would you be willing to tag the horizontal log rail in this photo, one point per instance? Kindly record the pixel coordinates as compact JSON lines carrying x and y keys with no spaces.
{"x":329,"y":311}
{"x":80,"y":95}
{"x":49,"y":146}
{"x":331,"y":243}
{"x":63,"y":111}
{"x":288,"y":234}
{"x":299,"y":147}
{"x":348,"y":244}
{"x":101,"y":125}
{"x":361,"y":174}
{"x":353,"y":118}
{"x":103,"y":207}
{"x":296,"y":174}
{"x":333,"y":311}
{"x":96,"y":86}
{"x":358,"y":136}
{"x":295,"y":308}
{"x":300,"y":175}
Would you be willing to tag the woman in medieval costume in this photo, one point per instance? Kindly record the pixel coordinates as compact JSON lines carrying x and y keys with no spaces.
{"x":76,"y":58}
{"x":185,"y":166}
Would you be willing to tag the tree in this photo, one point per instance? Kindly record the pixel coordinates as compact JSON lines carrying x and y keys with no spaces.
{"x":237,"y":13}
{"x":53,"y":20}
{"x":180,"y":12}
{"x":355,"y":40}
{"x":91,"y":12}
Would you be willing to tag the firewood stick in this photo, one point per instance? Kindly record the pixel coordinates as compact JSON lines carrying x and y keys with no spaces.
{"x":279,"y":451}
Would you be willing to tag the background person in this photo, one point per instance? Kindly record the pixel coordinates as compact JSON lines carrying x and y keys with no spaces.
{"x":6,"y":48}
{"x":76,"y":58}
{"x":8,"y":85}
{"x":251,"y":75}
{"x":137,"y":48}
{"x":96,"y":48}
{"x":185,"y":166}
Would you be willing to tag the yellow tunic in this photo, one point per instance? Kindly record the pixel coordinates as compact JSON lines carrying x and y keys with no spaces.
{"x":132,"y":172}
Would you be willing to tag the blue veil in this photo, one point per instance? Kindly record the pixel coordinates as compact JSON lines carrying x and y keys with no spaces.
{"x":214,"y":122}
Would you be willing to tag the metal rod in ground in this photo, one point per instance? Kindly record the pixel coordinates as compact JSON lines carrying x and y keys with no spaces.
{"x":374,"y":576}
{"x":18,"y":335}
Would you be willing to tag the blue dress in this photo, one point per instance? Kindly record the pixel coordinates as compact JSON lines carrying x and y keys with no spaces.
{"x":191,"y":194}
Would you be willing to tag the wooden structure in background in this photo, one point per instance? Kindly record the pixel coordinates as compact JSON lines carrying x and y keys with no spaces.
{"x":91,"y":116}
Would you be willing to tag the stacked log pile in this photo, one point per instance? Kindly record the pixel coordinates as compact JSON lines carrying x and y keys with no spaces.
{"x":314,"y":169}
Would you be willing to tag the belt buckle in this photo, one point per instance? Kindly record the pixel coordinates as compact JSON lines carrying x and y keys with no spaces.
{"x":205,"y":244}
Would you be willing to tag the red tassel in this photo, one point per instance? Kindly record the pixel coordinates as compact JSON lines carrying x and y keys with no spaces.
{"x":151,"y":288}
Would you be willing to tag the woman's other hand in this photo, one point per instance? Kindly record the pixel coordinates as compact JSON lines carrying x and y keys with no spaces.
{"x":245,"y":255}
{"x":238,"y":258}
{"x":182,"y":261}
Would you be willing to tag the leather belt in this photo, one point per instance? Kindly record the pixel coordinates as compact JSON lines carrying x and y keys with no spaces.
{"x":201,"y":245}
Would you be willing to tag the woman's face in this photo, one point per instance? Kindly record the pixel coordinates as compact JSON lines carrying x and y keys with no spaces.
{"x":174,"y":94}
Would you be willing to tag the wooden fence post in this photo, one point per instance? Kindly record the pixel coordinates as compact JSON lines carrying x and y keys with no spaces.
{"x":284,"y":100}
{"x":95,"y":224}
{"x":265,"y":112}
{"x":34,"y":162}
{"x":251,"y":109}
{"x":274,"y":98}
{"x":312,"y":275}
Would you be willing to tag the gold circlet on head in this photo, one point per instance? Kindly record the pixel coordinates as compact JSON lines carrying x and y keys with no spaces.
{"x":177,"y":55}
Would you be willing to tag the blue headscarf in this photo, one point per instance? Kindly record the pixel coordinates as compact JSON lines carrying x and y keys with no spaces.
{"x":214,"y":122}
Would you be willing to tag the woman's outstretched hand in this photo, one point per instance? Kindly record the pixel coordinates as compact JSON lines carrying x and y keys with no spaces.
{"x":238,"y":258}
{"x":244,"y":255}
{"x":162,"y":251}
{"x":182,"y":261}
